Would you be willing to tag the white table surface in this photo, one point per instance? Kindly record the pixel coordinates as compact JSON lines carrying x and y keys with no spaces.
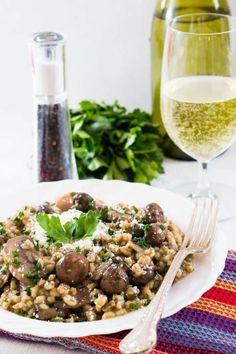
{"x":108,"y":58}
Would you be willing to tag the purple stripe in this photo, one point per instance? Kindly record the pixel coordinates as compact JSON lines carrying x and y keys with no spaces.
{"x":228,"y":277}
{"x":230,"y":265}
{"x":172,"y":348}
{"x":207,"y":319}
{"x":189,"y":342}
{"x":188,"y":334}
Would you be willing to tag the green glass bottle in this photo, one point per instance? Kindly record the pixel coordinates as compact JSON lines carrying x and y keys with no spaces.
{"x":165,"y":11}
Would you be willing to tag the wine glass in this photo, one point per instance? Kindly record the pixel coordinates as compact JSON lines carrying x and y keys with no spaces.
{"x":198,"y":90}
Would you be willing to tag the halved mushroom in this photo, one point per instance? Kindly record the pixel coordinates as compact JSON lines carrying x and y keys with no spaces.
{"x":47,"y":314}
{"x":116,"y":216}
{"x":45,"y":208}
{"x":142,"y":279}
{"x":21,"y":260}
{"x":82,"y":298}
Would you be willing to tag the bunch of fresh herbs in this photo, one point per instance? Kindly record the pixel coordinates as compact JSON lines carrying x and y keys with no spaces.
{"x":111,"y":143}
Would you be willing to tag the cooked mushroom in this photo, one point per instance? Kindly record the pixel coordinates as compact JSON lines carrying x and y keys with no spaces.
{"x":114,"y":280}
{"x":21,"y":260}
{"x":115,"y":216}
{"x":47,"y":314}
{"x":45,"y":208}
{"x":83,"y":201}
{"x":73,"y":268}
{"x":62,"y":309}
{"x":82,"y":298}
{"x":153,"y":213}
{"x":143,"y":279}
{"x":156,"y":234}
{"x":100,"y":270}
{"x":137,"y":230}
{"x":65,"y":202}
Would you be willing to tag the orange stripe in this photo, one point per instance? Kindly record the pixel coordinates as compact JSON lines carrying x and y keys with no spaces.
{"x":226,"y":286}
{"x":215,"y":307}
{"x":103,"y":343}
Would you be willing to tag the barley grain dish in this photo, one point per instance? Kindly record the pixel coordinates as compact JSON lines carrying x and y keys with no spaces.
{"x":79,"y":259}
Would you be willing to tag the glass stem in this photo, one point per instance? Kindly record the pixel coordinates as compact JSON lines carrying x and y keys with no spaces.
{"x":203,"y":186}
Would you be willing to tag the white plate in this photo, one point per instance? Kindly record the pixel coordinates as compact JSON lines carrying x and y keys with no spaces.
{"x":179,"y":209}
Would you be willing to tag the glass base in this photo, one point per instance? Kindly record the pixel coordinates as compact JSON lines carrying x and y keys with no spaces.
{"x":226,"y":195}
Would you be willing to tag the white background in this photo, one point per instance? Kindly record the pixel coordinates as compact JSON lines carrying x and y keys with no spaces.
{"x":107,"y":59}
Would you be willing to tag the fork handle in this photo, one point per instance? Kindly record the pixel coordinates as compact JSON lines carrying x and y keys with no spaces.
{"x":144,"y":336}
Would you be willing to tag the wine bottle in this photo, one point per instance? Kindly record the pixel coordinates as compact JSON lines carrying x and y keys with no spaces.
{"x":165,"y":11}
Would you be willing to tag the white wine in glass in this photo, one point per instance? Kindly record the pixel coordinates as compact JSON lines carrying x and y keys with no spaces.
{"x":200,"y":114}
{"x":198,"y":91}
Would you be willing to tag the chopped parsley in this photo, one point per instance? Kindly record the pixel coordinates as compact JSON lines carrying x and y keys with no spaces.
{"x":133,"y":306}
{"x":25,"y":231}
{"x":56,"y":319}
{"x":147,"y":227}
{"x":15,"y":253}
{"x":104,"y":213}
{"x":85,"y":252}
{"x":111,"y":232}
{"x":162,"y":226}
{"x":105,"y":255}
{"x":34,"y":278}
{"x":28,"y":290}
{"x":23,"y":313}
{"x":6,"y":262}
{"x":141,"y":242}
{"x":38,"y":266}
{"x":19,"y":216}
{"x":135,"y":208}
{"x":2,"y":230}
{"x":147,"y":302}
{"x":36,"y":244}
{"x":16,"y":261}
{"x":78,"y":249}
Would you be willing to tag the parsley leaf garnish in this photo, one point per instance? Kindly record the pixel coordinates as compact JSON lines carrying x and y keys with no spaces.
{"x":76,"y":229}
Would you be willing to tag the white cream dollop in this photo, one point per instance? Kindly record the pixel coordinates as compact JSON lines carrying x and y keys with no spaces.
{"x":101,"y":229}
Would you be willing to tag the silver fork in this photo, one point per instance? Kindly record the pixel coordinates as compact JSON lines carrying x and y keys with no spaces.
{"x":198,"y":239}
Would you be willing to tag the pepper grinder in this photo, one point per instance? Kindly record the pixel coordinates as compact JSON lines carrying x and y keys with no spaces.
{"x":53,"y":156}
